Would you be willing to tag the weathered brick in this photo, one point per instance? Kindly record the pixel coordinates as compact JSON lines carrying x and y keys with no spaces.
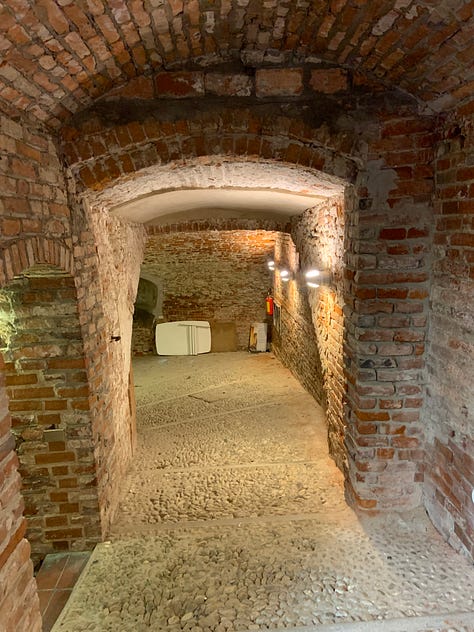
{"x":279,"y":82}
{"x":228,"y":84}
{"x":179,"y":85}
{"x":329,"y":81}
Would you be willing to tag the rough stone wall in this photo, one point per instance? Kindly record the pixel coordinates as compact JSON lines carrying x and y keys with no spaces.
{"x":119,"y":252}
{"x":296,"y":344}
{"x":319,"y":238}
{"x":49,"y":405}
{"x":220,"y":276}
{"x":449,"y":478}
{"x":388,"y":242}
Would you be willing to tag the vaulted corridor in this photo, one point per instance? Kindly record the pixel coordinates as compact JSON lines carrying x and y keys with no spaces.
{"x":233,"y":518}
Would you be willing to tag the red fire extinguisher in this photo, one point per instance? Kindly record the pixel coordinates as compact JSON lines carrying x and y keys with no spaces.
{"x":269,"y":305}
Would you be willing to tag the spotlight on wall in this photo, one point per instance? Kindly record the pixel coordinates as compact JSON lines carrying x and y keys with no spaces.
{"x":314,"y":277}
{"x":271,"y":265}
{"x":285,"y":275}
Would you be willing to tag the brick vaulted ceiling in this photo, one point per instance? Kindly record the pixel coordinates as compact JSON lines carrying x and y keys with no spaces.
{"x":58,"y":56}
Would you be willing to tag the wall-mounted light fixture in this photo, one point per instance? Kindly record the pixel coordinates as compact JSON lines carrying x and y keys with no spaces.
{"x":315,"y":278}
{"x":312,"y":277}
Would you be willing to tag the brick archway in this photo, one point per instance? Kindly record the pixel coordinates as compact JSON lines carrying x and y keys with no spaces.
{"x":99,"y":154}
{"x":234,"y":171}
{"x":23,"y":254}
{"x":107,"y":157}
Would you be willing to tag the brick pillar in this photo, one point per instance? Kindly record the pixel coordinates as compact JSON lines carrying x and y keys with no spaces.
{"x":387,"y":274}
{"x":19,"y":604}
{"x":449,"y":476}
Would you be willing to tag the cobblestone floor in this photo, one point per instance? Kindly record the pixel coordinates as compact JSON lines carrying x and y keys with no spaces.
{"x":233,"y":518}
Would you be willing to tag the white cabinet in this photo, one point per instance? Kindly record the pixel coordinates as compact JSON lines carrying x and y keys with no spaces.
{"x":183,"y":337}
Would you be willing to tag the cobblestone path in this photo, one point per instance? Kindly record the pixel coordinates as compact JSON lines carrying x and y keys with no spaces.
{"x":233,"y":518}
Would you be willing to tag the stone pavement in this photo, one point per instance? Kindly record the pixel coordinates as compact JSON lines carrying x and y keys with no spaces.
{"x":233,"y":518}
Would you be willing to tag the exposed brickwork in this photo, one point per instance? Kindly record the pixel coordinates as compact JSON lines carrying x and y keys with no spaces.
{"x":98,"y":154}
{"x":38,"y":228}
{"x":49,"y":403}
{"x":145,"y":89}
{"x":110,"y":296}
{"x":319,"y":237}
{"x":213,"y":224}
{"x":296,"y":344}
{"x":216,"y":172}
{"x":19,"y":605}
{"x":385,"y":303}
{"x":329,"y":80}
{"x":450,"y":451}
{"x":60,"y":57}
{"x":219,"y":276}
{"x":386,"y":311}
{"x":33,"y":202}
{"x":279,"y":82}
{"x":34,"y":224}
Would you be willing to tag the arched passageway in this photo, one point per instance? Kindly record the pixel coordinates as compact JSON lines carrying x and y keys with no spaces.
{"x":233,"y":480}
{"x":380,"y":95}
{"x":193,"y":232}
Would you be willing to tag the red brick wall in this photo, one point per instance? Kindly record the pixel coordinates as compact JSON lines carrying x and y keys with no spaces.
{"x":49,"y":403}
{"x":219,"y":276}
{"x":386,"y":310}
{"x":35,"y":227}
{"x":99,"y":153}
{"x":19,"y":604}
{"x":449,"y":478}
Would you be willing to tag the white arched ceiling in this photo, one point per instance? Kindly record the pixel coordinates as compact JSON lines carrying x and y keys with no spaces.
{"x":218,"y":188}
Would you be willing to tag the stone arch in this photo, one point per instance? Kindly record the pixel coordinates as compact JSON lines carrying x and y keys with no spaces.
{"x":114,"y":164}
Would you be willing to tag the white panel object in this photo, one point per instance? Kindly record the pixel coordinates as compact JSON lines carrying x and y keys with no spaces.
{"x":183,"y":337}
{"x":258,"y":337}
